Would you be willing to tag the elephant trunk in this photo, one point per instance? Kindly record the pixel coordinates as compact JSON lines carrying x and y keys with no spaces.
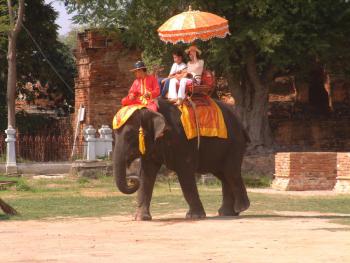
{"x":119,"y":171}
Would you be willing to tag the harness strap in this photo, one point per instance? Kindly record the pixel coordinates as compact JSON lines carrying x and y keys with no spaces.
{"x":193,"y":105}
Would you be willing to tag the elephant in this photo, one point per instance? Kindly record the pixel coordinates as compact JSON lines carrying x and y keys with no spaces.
{"x":166,"y":144}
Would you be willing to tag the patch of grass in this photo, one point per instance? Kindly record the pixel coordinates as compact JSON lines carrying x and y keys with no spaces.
{"x":8,"y":178}
{"x":86,"y":197}
{"x":21,"y":185}
{"x":83,"y":180}
{"x":256,"y":181}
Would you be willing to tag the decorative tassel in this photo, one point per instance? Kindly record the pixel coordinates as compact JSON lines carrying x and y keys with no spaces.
{"x":142,"y":145}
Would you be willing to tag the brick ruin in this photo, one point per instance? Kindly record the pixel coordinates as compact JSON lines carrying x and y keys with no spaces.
{"x":299,"y":124}
{"x":312,"y":171}
{"x":103,"y":65}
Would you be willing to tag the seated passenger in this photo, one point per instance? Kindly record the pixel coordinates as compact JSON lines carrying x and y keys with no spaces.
{"x":175,"y":74}
{"x":144,"y":89}
{"x":193,"y":73}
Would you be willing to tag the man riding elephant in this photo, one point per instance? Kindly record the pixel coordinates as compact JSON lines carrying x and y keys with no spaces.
{"x":144,"y":89}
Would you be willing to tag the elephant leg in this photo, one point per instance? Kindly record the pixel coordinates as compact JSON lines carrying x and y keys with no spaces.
{"x":144,"y":195}
{"x":189,"y":188}
{"x":232,"y":175}
{"x":228,"y":200}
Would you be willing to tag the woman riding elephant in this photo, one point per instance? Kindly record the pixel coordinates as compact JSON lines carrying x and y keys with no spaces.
{"x":166,"y":143}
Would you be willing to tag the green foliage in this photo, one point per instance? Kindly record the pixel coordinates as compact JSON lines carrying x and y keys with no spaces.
{"x":70,"y":39}
{"x":286,"y":34}
{"x":4,"y":20}
{"x":31,"y":66}
{"x":33,"y":123}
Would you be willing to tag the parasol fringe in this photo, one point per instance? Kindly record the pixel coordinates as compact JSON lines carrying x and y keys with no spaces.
{"x":191,"y":39}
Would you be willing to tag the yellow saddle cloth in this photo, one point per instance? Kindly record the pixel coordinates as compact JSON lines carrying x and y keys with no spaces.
{"x":210,"y":119}
{"x":124,"y":114}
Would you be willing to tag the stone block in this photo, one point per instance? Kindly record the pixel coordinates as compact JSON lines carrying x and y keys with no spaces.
{"x":91,"y":169}
{"x":300,"y":171}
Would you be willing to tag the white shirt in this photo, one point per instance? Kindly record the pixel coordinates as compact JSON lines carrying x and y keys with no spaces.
{"x":177,"y":67}
{"x":196,"y":69}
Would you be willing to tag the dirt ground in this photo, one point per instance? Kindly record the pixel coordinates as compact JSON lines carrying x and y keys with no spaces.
{"x":292,"y":237}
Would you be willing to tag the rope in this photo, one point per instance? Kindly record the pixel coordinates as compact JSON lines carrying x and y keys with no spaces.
{"x":47,"y":60}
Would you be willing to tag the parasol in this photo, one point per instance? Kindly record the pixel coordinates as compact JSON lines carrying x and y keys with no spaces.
{"x":191,"y":25}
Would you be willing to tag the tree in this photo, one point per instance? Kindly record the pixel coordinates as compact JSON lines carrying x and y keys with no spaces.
{"x":269,"y":38}
{"x":39,"y":20}
{"x":15,"y":27}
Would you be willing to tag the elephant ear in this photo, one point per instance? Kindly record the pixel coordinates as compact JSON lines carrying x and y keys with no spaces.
{"x":154,"y":123}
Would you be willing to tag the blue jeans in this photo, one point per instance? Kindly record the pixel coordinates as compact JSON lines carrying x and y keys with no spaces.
{"x":163,"y":87}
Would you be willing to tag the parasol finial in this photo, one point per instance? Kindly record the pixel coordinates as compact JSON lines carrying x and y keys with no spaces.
{"x":189,"y":8}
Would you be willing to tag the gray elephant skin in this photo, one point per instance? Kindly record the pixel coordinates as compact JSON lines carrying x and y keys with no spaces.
{"x":166,"y":143}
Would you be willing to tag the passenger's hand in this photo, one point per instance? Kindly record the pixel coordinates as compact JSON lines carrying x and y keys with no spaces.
{"x":147,"y":95}
{"x":163,"y":81}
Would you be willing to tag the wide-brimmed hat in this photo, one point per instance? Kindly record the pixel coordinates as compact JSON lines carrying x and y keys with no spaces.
{"x":138,"y":65}
{"x":195,"y":48}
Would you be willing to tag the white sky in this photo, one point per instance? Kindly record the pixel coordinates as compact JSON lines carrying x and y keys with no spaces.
{"x":63,"y":19}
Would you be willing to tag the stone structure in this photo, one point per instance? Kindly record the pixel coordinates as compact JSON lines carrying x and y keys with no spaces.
{"x":11,"y":164}
{"x":343,"y":173}
{"x":103,"y":76}
{"x":301,"y":171}
{"x":98,"y":147}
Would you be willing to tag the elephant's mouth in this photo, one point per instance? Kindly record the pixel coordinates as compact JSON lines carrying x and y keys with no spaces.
{"x":133,"y":172}
{"x":133,"y":168}
{"x":133,"y":159}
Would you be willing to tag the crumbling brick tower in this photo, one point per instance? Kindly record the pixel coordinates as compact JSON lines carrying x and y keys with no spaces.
{"x":103,"y":76}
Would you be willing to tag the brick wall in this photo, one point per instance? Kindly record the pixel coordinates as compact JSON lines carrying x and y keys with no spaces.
{"x":299,"y":125}
{"x":103,"y":76}
{"x":301,"y":171}
{"x":313,"y":135}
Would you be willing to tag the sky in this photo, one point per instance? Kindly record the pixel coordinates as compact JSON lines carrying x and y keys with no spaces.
{"x":63,"y":19}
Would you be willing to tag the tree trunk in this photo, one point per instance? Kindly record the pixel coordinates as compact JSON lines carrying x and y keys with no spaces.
{"x":318,"y":95}
{"x":11,"y":58}
{"x":251,"y":97}
{"x":11,"y":82}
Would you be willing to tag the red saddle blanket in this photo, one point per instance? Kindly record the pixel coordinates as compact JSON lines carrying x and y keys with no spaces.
{"x":209,"y":116}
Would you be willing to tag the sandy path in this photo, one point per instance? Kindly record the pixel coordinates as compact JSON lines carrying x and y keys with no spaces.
{"x":118,"y":239}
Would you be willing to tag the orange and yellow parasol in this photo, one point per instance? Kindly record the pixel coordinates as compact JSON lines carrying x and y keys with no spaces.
{"x":191,"y":25}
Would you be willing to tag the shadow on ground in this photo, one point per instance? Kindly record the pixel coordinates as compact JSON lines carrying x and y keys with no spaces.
{"x":176,"y":220}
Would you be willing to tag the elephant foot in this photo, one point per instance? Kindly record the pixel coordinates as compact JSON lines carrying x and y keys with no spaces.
{"x":143,"y":216}
{"x":227,"y":212}
{"x":195,"y":215}
{"x":241,"y":205}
